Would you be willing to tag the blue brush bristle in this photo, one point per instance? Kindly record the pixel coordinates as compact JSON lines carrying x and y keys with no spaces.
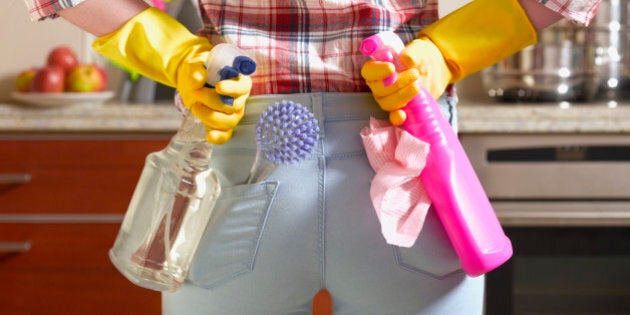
{"x":287,"y":132}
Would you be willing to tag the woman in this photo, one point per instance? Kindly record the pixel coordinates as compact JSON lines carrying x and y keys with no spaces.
{"x":311,"y":226}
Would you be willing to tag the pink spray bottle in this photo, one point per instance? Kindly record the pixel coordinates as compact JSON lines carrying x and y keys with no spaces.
{"x":449,"y":179}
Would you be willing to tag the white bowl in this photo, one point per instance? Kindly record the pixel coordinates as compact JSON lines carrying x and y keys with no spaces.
{"x":62,"y":99}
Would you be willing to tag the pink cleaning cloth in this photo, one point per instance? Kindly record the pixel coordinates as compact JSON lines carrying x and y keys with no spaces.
{"x":398,"y":196}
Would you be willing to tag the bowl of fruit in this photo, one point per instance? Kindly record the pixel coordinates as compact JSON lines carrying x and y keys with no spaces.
{"x":62,"y":81}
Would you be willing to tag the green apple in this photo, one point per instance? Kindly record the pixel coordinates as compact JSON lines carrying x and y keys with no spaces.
{"x":86,"y":78}
{"x":23,"y":80}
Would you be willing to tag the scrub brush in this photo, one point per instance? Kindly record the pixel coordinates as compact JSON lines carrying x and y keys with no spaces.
{"x":285,"y":134}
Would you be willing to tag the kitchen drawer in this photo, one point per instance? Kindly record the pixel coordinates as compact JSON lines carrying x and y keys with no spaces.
{"x":66,"y":270}
{"x":71,"y":175}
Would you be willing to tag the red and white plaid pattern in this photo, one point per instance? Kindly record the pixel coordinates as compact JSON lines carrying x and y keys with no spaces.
{"x":42,"y":9}
{"x":313,"y":45}
{"x":580,"y":11}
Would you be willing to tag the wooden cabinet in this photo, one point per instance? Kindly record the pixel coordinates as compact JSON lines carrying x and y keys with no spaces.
{"x":62,"y":199}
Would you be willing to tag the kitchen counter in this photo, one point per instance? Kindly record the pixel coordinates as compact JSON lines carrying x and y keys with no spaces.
{"x":473,"y":118}
{"x":99,"y":118}
{"x":544,"y":118}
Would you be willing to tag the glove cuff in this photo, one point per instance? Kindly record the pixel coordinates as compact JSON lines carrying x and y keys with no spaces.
{"x":154,"y":44}
{"x":480,"y":34}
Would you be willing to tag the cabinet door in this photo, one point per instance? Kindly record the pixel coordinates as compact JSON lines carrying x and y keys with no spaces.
{"x":71,"y":175}
{"x":61,"y":268}
{"x":61,"y":203}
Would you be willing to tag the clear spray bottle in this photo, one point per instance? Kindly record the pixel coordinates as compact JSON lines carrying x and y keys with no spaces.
{"x":175,"y":196}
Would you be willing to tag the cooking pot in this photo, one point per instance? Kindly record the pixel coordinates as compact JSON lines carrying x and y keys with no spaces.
{"x":570,"y":62}
{"x":560,"y":67}
{"x":609,"y":32}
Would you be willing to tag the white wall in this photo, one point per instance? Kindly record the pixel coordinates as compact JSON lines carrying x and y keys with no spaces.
{"x":24,"y":44}
{"x":446,"y":6}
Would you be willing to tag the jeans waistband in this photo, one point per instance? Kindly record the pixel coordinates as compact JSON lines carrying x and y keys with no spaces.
{"x":326,"y":107}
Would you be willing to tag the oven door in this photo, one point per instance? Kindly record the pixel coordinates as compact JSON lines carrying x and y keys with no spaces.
{"x":554,"y":180}
{"x":564,"y":201}
{"x":563,"y":270}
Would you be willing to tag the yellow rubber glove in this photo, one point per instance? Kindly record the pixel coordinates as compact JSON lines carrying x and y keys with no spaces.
{"x":219,"y":118}
{"x":453,"y":47}
{"x":431,"y":72}
{"x":159,"y":47}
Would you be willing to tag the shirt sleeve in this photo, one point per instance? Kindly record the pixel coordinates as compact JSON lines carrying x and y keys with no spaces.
{"x":580,"y":11}
{"x":43,"y":9}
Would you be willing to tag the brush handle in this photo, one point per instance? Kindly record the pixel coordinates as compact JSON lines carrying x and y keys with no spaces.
{"x":448,"y":177}
{"x":261,"y":168}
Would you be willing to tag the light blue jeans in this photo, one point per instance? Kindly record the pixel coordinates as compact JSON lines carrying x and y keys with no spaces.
{"x":270,"y":246}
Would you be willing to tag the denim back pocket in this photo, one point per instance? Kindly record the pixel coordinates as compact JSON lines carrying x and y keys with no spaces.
{"x":230,"y":243}
{"x":432,"y":254}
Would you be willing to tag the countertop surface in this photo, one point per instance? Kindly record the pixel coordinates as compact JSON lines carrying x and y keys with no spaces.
{"x":473,"y":118}
{"x":164,"y":120}
{"x":109,"y":117}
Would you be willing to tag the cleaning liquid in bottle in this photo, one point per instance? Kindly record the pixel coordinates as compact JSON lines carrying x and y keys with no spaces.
{"x":449,"y":179}
{"x":174,"y":199}
{"x":168,"y":212}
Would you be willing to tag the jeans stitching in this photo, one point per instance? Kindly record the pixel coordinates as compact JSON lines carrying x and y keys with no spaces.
{"x":262,"y":225}
{"x":400,"y":262}
{"x":269,"y":193}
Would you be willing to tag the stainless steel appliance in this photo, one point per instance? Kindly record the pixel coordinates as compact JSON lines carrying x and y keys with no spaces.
{"x":570,"y":62}
{"x":564,"y":201}
{"x":560,"y":67}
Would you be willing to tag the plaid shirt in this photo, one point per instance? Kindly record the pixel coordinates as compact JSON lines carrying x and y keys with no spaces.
{"x":309,"y":45}
{"x":42,"y":9}
{"x":581,"y":11}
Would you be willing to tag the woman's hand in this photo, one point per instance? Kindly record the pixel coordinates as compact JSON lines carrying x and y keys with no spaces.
{"x":205,"y":103}
{"x":425,"y":67}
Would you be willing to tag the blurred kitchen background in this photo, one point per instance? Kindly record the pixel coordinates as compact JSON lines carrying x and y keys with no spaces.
{"x":31,"y":42}
{"x":548,"y":132}
{"x":26,"y":44}
{"x":570,"y":63}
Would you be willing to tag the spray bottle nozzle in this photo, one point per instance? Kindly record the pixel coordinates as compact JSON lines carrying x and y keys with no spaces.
{"x":244,"y":65}
{"x":226,"y":61}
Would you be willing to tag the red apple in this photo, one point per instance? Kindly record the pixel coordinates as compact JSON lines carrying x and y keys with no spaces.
{"x":48,"y":79}
{"x":86,"y":78}
{"x":23,"y":80}
{"x":105,"y":80}
{"x":64,"y":57}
